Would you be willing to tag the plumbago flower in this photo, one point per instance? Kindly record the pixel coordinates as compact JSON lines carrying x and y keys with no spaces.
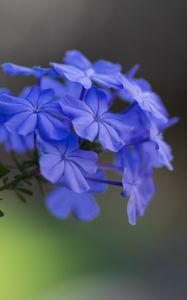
{"x":64,"y":162}
{"x":91,"y":119}
{"x":78,"y":68}
{"x":38,"y":72}
{"x":65,"y":122}
{"x":38,"y":111}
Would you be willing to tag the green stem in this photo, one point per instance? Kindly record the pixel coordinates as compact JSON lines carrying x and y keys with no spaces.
{"x":13,"y":183}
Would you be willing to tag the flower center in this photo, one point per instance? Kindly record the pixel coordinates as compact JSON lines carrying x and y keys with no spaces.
{"x":89,"y":72}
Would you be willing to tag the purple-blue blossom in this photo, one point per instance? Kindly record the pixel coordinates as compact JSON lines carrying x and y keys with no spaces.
{"x":78,"y":68}
{"x":62,"y":201}
{"x":70,"y":121}
{"x":64,"y":162}
{"x":92,"y":120}
{"x":38,"y":72}
{"x":38,"y":112}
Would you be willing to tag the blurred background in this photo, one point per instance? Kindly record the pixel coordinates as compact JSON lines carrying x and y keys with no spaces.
{"x":44,"y":258}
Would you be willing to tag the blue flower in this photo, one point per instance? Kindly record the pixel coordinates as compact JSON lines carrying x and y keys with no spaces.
{"x":141,"y":82}
{"x":140,"y":190}
{"x":38,"y":111}
{"x":161,"y":151}
{"x":92,"y":120}
{"x":137,"y":181}
{"x":79,"y":69}
{"x":62,"y":89}
{"x":62,"y":202}
{"x":63,"y":162}
{"x":15,"y":142}
{"x":14,"y":70}
{"x":146,"y":99}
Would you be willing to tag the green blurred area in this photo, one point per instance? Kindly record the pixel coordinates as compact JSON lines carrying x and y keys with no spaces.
{"x":39,"y":253}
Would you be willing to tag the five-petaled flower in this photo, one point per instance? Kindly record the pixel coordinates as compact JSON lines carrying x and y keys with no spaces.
{"x":38,"y":72}
{"x":146,"y":99}
{"x":63,"y":201}
{"x":37,"y":112}
{"x":92,"y":120}
{"x":79,"y":69}
{"x":63,"y":162}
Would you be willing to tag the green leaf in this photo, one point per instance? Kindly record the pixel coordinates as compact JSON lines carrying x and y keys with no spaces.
{"x":21,"y":197}
{"x":87,"y":145}
{"x":1,"y":214}
{"x":25,"y":191}
{"x":28,"y":164}
{"x":28,"y":182}
{"x":3,"y":170}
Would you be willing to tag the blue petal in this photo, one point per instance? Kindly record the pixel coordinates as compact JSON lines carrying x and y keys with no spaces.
{"x":73,"y":89}
{"x":77,"y":59}
{"x":106,"y":67}
{"x":59,"y":203}
{"x":85,"y":207}
{"x":33,"y":96}
{"x":22,"y":123}
{"x":97,"y":187}
{"x":12,"y":105}
{"x":86,"y":127}
{"x":97,"y":101}
{"x":74,"y":179}
{"x":51,"y":167}
{"x":109,"y":138}
{"x":73,"y":108}
{"x":133,"y":71}
{"x":62,"y":202}
{"x":117,"y":121}
{"x":72,"y":74}
{"x":86,"y":160}
{"x":25,"y":92}
{"x":45,"y":97}
{"x":107,"y":81}
{"x":39,"y":72}
{"x":47,"y":82}
{"x":50,"y":127}
{"x":13,"y":70}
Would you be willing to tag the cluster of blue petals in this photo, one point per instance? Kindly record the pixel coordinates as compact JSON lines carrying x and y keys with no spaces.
{"x":72,"y":103}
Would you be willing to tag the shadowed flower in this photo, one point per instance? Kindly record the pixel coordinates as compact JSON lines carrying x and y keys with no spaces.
{"x":92,"y":120}
{"x":163,"y":150}
{"x":137,"y":181}
{"x":62,"y":201}
{"x":14,"y":70}
{"x":79,"y":69}
{"x":146,"y":99}
{"x":62,"y":89}
{"x":37,"y":112}
{"x":64,"y":162}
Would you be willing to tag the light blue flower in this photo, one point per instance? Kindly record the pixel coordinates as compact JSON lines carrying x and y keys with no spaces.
{"x":79,"y":69}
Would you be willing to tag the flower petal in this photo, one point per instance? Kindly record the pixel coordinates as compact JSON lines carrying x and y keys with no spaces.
{"x":77,"y":59}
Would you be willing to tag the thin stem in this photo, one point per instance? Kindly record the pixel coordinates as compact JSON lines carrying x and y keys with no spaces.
{"x":111,"y":182}
{"x":107,"y":167}
{"x":82,"y":93}
{"x":35,"y":149}
{"x":39,"y":81}
{"x":114,"y":95}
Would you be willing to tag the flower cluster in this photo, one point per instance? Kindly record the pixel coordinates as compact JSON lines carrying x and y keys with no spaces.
{"x":69,"y":118}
